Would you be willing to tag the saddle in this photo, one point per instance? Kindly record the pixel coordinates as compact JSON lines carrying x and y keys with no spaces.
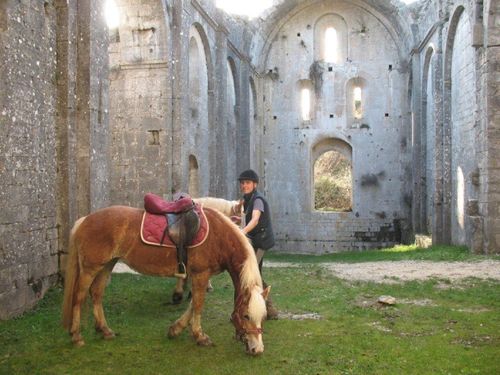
{"x":181,"y":224}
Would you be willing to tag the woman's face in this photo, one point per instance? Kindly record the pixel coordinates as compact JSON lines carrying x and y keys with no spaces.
{"x":247,"y":186}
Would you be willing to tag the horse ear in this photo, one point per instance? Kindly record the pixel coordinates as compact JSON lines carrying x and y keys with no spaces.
{"x":266,"y":292}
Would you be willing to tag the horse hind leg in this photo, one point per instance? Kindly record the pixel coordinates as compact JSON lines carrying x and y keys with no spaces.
{"x":97,"y":293}
{"x":84,"y":281}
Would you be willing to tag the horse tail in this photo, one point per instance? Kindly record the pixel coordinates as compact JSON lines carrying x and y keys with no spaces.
{"x":70,"y":278}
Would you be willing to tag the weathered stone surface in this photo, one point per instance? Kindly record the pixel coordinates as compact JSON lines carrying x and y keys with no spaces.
{"x":186,"y":97}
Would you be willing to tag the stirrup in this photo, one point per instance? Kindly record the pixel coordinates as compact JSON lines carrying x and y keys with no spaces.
{"x":182,"y":271}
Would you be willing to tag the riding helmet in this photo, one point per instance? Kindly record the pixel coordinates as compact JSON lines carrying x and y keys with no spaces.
{"x":250,"y":175}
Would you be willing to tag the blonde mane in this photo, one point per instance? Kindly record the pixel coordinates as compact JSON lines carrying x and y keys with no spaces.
{"x":222,"y":205}
{"x":250,"y":274}
{"x":250,"y":279}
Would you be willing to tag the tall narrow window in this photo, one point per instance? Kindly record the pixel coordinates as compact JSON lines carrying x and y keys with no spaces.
{"x":331,"y":45}
{"x":112,"y":14}
{"x":305,"y":101}
{"x":358,"y":108}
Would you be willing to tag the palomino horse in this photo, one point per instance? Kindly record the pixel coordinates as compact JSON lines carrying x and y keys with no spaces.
{"x":228,"y":208}
{"x":100,"y":239}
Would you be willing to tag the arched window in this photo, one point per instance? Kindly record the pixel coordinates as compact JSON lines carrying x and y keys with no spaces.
{"x":331,"y":39}
{"x":357,"y":99}
{"x":331,"y":45}
{"x":305,"y":103}
{"x":357,"y":105}
{"x":306,"y":97}
{"x":332,"y":176}
{"x":332,"y":182}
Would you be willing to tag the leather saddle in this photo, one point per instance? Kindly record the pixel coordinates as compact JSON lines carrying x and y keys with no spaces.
{"x":182,"y":223}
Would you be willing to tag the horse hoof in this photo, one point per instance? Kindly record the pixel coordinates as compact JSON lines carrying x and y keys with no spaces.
{"x":109,"y":336}
{"x":176,"y":298}
{"x":172,"y":332}
{"x":204,"y":341}
{"x":78,"y":343}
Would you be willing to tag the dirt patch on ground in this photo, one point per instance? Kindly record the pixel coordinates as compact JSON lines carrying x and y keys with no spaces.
{"x":401,"y":271}
{"x":397,"y":271}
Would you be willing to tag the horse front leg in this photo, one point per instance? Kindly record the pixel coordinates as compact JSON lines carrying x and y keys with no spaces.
{"x":181,"y":323}
{"x":199,"y":287}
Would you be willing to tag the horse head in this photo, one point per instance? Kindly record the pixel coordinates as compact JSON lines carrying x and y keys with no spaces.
{"x":248,"y":316}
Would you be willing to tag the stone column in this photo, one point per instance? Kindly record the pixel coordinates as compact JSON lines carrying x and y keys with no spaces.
{"x":219,"y":187}
{"x":418,"y":147}
{"x":243,"y":125}
{"x":437,"y":95}
{"x":180,"y":92}
{"x":490,"y":178}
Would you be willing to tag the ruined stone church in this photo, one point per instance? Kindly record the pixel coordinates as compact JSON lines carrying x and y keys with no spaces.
{"x":179,"y":95}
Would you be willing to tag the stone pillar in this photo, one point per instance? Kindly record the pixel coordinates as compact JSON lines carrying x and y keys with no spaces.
{"x":219,"y":187}
{"x":243,"y":125}
{"x":82,"y":121}
{"x":437,"y":95}
{"x":180,"y":90}
{"x":417,"y":136}
{"x":490,"y":178}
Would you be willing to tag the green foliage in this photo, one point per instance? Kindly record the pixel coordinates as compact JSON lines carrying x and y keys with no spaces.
{"x":332,"y":183}
{"x":454,"y":332}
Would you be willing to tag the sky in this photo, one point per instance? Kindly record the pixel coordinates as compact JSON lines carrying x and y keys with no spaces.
{"x":252,"y":8}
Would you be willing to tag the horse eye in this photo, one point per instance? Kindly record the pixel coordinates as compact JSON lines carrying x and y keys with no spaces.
{"x":246,"y":317}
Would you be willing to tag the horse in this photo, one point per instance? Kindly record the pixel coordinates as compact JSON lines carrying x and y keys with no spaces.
{"x":231,"y":209}
{"x":100,"y":239}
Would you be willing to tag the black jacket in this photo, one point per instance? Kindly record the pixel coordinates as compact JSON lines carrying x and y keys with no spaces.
{"x":262,"y":235}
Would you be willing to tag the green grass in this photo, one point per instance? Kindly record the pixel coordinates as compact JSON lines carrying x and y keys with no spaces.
{"x":400,"y":252}
{"x":429,"y":331}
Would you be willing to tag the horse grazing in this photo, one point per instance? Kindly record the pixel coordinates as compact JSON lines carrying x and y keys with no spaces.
{"x":100,"y":239}
{"x":229,"y":209}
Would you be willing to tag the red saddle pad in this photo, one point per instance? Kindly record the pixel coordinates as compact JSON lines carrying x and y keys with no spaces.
{"x":153,"y":226}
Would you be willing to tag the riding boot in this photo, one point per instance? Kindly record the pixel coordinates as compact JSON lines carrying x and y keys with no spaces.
{"x":272,"y":312}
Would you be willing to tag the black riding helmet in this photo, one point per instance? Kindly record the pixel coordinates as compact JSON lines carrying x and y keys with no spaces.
{"x":250,"y":175}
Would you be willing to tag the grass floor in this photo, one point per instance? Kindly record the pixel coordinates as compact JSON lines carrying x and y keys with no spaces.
{"x":431,"y":330}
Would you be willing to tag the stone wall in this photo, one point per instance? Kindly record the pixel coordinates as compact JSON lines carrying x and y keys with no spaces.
{"x":28,"y":223}
{"x":371,"y":56}
{"x":192,"y":96}
{"x":53,"y":154}
{"x":454,"y":195}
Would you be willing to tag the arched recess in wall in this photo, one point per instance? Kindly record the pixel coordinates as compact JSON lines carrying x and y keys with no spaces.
{"x":200,"y":138}
{"x":459,"y":132}
{"x":427,"y":142}
{"x":139,"y":103}
{"x":206,"y":111}
{"x":331,"y":39}
{"x":331,"y":176}
{"x":232,"y":117}
{"x":255,"y":133}
{"x":357,"y":102}
{"x":194,"y":177}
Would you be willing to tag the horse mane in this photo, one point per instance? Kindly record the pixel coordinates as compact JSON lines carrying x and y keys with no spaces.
{"x":222,"y":205}
{"x":249,"y":274}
